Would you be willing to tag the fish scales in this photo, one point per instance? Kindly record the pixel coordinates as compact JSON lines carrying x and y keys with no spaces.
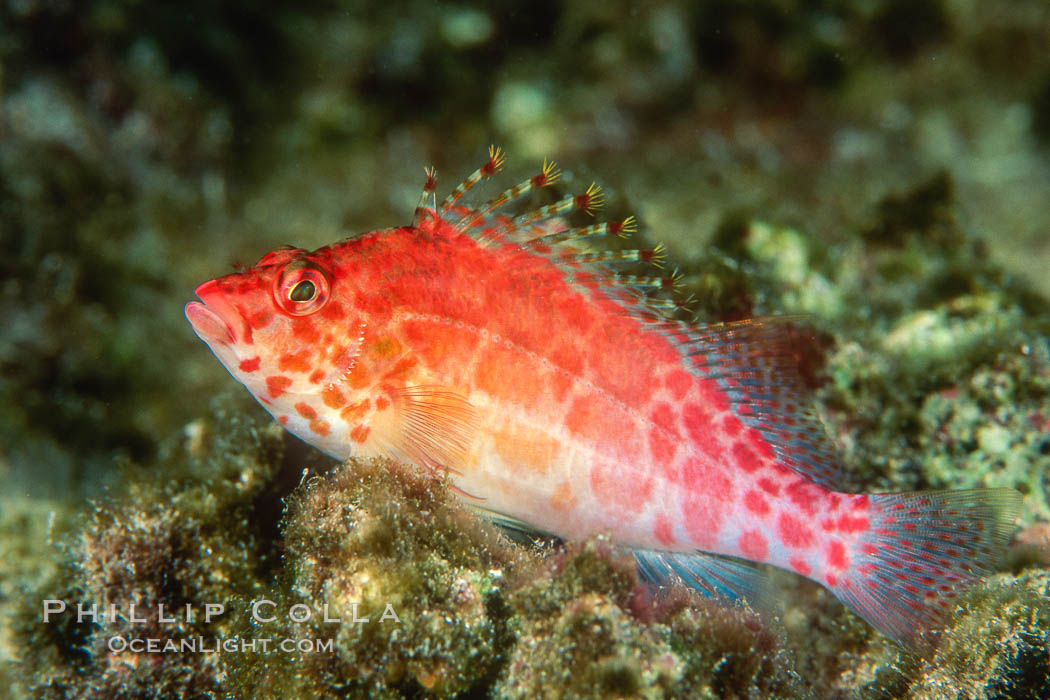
{"x":560,"y":396}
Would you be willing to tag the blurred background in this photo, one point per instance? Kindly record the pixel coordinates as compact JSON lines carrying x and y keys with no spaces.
{"x":146,"y":147}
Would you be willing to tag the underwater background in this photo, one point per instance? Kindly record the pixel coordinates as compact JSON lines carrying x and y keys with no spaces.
{"x":880,"y":166}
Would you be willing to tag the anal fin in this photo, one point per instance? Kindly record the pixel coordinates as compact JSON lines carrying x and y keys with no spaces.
{"x":514,"y":528}
{"x":730,"y":579}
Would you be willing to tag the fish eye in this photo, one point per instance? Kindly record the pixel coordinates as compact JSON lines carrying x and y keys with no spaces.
{"x":303,"y":291}
{"x":301,"y":288}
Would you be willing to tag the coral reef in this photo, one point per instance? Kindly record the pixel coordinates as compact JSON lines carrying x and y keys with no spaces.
{"x":375,"y":535}
{"x":998,"y":646}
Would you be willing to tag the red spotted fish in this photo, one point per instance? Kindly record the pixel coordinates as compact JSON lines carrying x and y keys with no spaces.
{"x":561,"y":394}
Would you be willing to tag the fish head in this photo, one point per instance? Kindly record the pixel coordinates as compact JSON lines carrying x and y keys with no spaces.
{"x":280,"y":329}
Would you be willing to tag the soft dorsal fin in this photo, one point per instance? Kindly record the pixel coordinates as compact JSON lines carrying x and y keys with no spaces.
{"x":754,"y":361}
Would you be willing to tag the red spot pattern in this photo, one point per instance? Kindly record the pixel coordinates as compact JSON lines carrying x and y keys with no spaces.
{"x":444,"y":349}
{"x":317,"y":376}
{"x":755,"y":503}
{"x":852,"y":525}
{"x":402,"y":368}
{"x":320,"y":427}
{"x":295,"y":361}
{"x":753,"y":545}
{"x":712,"y":395}
{"x":661,"y":447}
{"x":662,"y":530}
{"x":585,"y":419}
{"x":360,"y":433}
{"x":731,"y":425}
{"x":305,"y":410}
{"x":251,"y":364}
{"x":709,"y":494}
{"x":277,"y":385}
{"x":805,"y":495}
{"x":745,"y":458}
{"x":799,"y":566}
{"x":578,"y":317}
{"x":837,"y":555}
{"x":769,"y":486}
{"x":332,"y":397}
{"x":610,"y":489}
{"x":794,"y":532}
{"x":259,"y":319}
{"x":663,"y":436}
{"x":305,"y":331}
{"x":698,"y":425}
{"x":333,"y":311}
{"x":760,"y":444}
{"x":355,"y":410}
{"x":678,"y":382}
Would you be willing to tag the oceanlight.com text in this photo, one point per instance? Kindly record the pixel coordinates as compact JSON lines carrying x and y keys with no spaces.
{"x":216,"y":645}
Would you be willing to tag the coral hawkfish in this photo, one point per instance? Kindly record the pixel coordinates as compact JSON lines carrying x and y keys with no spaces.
{"x":562,"y":394}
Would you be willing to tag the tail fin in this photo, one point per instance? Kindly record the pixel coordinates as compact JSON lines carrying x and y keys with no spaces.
{"x":920,"y":550}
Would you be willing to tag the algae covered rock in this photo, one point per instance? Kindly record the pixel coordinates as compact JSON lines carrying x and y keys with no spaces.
{"x":999,"y":646}
{"x":413,"y":579}
{"x":174,"y":540}
{"x":376,"y":580}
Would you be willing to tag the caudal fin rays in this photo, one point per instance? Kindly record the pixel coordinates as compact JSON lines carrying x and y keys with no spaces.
{"x":921,"y":551}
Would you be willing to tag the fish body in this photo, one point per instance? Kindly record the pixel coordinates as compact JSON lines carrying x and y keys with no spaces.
{"x":558,"y":394}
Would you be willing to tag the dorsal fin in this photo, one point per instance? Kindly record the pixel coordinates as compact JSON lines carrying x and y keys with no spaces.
{"x":755,"y":364}
{"x":751,"y":360}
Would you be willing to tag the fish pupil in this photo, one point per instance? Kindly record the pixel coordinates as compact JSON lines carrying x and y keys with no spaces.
{"x":303,"y":291}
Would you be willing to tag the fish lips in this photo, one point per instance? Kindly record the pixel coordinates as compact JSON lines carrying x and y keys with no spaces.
{"x":216,"y":320}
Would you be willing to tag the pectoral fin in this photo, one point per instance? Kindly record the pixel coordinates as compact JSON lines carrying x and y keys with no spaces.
{"x":437,"y":427}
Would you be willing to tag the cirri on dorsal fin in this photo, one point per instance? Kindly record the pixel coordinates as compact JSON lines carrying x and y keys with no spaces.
{"x":751,"y":360}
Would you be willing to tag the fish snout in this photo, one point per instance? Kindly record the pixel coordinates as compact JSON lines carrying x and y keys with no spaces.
{"x":216,"y":320}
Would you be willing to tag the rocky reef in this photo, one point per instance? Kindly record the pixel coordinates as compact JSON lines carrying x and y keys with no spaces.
{"x":379,"y":582}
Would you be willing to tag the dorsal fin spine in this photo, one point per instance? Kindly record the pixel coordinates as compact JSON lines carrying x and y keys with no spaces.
{"x":671,"y":282}
{"x":620,"y":229}
{"x":428,"y":191}
{"x":588,"y":202}
{"x":548,"y":175}
{"x":490,"y":168}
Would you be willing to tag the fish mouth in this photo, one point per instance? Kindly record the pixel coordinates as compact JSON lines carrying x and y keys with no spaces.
{"x":215,"y":319}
